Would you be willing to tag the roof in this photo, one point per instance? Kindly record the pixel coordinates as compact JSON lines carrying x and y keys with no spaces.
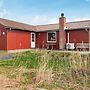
{"x":16,"y":25}
{"x":69,"y":26}
{"x":78,"y":25}
{"x":48,"y":27}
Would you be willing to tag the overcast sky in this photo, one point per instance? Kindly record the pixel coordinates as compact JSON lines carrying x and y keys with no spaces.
{"x":44,"y":11}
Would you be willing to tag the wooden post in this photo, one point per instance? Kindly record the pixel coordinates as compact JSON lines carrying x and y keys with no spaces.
{"x":89,"y":39}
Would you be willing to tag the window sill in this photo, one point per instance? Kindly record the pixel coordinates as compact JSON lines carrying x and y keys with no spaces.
{"x":51,"y":41}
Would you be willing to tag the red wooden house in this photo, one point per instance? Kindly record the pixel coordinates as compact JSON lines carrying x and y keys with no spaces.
{"x":63,"y":35}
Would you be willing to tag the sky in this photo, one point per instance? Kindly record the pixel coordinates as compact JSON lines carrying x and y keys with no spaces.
{"x":39,"y":12}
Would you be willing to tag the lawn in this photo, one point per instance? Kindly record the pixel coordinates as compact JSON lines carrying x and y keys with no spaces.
{"x":51,"y":70}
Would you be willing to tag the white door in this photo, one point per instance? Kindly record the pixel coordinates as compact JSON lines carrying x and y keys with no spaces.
{"x":32,"y":40}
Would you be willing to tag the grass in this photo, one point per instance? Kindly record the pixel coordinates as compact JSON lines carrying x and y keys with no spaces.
{"x":52,"y":70}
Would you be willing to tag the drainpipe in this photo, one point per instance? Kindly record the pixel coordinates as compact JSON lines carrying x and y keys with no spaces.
{"x":68,"y":37}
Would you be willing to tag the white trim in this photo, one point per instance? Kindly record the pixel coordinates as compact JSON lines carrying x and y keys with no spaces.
{"x":52,"y":41}
{"x":89,"y":39}
{"x":7,"y":38}
{"x":68,"y":37}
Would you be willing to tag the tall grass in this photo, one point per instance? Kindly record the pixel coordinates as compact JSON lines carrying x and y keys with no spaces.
{"x":52,"y":70}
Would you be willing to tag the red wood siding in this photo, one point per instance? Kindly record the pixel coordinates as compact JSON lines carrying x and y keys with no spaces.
{"x":41,"y":41}
{"x":3,"y":38}
{"x":19,"y":40}
{"x":78,"y":36}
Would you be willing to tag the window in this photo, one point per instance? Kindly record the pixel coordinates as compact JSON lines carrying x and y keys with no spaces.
{"x":51,"y":36}
{"x":33,"y":37}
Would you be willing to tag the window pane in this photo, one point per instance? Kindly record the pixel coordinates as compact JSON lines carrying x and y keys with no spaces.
{"x":52,"y":36}
{"x":32,"y":37}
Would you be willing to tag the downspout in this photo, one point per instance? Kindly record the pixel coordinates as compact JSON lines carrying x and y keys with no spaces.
{"x":68,"y":37}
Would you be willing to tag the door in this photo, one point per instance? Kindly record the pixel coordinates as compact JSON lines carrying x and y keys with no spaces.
{"x":32,"y":40}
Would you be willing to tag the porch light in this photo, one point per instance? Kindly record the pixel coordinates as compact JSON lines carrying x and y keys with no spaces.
{"x":3,"y":33}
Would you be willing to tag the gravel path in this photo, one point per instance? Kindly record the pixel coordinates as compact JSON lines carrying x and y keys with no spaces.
{"x":6,"y":57}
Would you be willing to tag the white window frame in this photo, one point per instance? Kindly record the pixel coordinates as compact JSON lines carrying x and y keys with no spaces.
{"x":52,"y":41}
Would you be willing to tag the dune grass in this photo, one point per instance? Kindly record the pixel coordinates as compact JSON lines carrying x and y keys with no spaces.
{"x":52,"y":70}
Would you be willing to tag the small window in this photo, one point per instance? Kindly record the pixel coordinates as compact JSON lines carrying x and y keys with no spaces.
{"x":33,"y":37}
{"x":51,"y":36}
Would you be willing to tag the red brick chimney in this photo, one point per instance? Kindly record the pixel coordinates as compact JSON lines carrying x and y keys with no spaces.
{"x":62,"y":34}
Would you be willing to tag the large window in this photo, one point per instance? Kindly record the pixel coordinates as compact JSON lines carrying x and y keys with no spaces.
{"x":51,"y":36}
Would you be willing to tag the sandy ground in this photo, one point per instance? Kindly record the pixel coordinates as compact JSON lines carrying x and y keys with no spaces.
{"x":8,"y":84}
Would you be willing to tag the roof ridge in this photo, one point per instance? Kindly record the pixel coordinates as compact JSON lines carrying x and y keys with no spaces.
{"x":47,"y":24}
{"x":78,"y":21}
{"x":66,"y":23}
{"x":41,"y":25}
{"x":16,"y":21}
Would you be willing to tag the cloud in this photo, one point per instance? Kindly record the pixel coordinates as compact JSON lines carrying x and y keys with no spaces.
{"x":3,"y":11}
{"x":42,"y":19}
{"x":38,"y":19}
{"x":81,"y":19}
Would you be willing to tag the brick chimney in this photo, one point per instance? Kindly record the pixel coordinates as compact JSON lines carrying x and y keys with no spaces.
{"x":62,"y":34}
